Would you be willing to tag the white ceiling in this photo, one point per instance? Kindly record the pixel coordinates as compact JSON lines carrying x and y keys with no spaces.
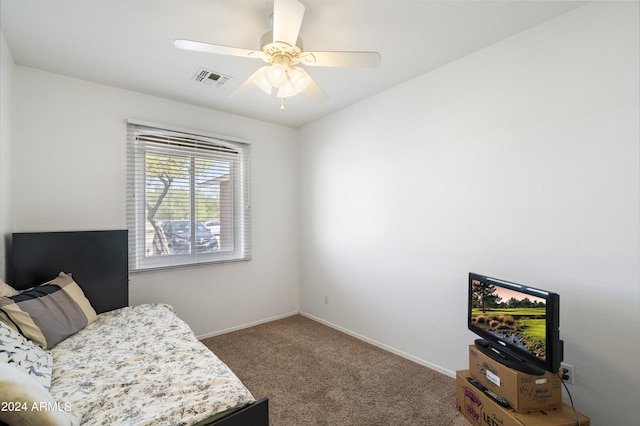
{"x":128,"y":44}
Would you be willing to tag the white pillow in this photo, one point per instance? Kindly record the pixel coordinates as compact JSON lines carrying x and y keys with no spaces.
{"x":17,"y":351}
{"x":28,"y":403}
{"x":6,"y":290}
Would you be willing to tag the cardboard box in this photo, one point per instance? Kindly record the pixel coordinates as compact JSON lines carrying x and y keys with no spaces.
{"x":525,"y":392}
{"x":480,"y":409}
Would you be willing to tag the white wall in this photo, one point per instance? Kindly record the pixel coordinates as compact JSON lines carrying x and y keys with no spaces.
{"x":520,"y":161}
{"x":69,"y":174}
{"x":7,"y":76}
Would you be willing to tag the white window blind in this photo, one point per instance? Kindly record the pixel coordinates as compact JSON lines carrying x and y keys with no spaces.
{"x":187,"y":198}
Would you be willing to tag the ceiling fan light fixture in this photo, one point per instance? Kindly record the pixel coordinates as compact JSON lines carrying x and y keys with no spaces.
{"x":277,"y":75}
{"x":260,"y":79}
{"x":286,"y":91}
{"x":299,"y":79}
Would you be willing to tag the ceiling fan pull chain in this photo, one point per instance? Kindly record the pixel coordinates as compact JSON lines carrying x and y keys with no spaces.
{"x":282,"y":105}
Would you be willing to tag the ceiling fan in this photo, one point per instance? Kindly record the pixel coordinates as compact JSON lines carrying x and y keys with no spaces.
{"x":282,"y":50}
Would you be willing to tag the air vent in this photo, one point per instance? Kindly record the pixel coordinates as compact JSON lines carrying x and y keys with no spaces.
{"x":210,"y":78}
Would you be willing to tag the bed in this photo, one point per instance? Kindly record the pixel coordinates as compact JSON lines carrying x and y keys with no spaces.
{"x":110,"y":363}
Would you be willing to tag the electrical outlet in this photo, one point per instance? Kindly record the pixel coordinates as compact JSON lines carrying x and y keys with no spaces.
{"x":326,"y":300}
{"x":568,"y":372}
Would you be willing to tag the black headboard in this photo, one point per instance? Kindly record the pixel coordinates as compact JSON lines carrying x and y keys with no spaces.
{"x":97,"y":260}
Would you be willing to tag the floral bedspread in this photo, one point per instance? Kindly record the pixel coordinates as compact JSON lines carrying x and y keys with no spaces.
{"x":142,"y":365}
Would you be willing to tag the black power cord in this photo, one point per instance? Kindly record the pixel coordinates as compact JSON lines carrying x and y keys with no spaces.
{"x":564,"y":377}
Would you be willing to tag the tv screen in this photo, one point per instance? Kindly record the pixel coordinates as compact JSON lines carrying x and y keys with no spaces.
{"x":519,"y":325}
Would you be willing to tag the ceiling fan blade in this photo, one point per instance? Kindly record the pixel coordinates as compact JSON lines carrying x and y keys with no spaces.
{"x":287,"y":19}
{"x":314,"y":92}
{"x":341,"y":59}
{"x":198,"y":46}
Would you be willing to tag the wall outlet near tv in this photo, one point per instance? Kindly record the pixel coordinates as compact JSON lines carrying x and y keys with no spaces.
{"x":568,"y":374}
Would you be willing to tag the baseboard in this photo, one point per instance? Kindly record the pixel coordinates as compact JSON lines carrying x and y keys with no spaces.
{"x":247,"y":325}
{"x":381,"y":345}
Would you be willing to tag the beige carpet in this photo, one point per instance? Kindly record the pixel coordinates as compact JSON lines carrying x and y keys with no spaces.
{"x":315,"y":375}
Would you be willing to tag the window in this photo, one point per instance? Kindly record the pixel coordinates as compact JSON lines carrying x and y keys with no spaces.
{"x":187,"y":198}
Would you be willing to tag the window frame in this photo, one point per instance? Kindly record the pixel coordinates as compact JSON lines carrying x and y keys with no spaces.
{"x":198,"y":145}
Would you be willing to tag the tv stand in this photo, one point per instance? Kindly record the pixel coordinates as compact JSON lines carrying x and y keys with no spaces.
{"x":504,"y":357}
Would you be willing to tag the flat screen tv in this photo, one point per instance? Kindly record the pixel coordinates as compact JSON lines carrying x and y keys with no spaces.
{"x":519,"y":325}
